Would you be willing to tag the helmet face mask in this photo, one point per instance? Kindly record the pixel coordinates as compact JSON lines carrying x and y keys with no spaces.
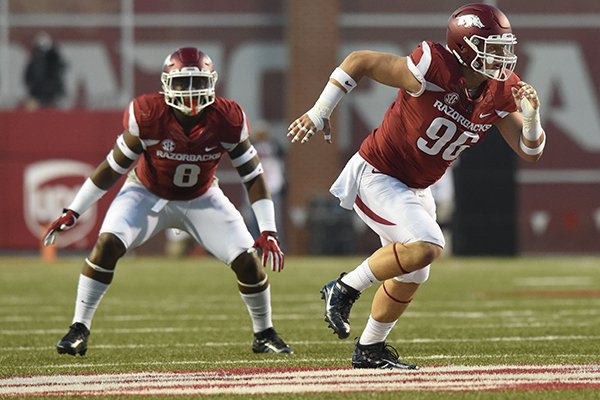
{"x":188,"y":80}
{"x":495,"y":57}
{"x":480,"y":37}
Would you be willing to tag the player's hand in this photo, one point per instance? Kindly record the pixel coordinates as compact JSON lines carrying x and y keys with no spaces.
{"x":271,"y":252}
{"x":526,"y":99}
{"x":66,"y":221}
{"x":303,"y":128}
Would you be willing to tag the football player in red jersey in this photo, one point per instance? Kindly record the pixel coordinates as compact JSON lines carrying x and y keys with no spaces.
{"x":177,"y":138}
{"x":449,"y":98}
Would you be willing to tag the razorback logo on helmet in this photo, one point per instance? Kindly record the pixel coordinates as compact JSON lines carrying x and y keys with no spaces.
{"x":480,"y":37}
{"x":469,"y":20}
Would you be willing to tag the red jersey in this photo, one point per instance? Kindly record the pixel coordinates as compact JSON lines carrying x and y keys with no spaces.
{"x":422,"y":134}
{"x":176,"y":166}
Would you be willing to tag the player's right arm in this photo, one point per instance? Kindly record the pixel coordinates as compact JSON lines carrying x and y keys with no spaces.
{"x":125,"y":152}
{"x":385,"y":68}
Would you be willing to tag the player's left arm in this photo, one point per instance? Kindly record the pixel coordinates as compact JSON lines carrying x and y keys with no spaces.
{"x":247,"y":163}
{"x":522,"y":129}
{"x":125,"y":152}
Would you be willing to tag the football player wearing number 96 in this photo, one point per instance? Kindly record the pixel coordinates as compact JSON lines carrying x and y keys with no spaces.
{"x":450,"y":95}
{"x":177,"y":138}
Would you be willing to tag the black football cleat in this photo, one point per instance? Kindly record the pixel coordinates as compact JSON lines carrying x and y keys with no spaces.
{"x":339,"y":298}
{"x":378,"y":356}
{"x":268,"y":341}
{"x":75,"y":341}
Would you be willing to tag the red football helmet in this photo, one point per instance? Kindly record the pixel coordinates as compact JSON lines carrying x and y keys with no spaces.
{"x":480,"y":36}
{"x":188,"y":80}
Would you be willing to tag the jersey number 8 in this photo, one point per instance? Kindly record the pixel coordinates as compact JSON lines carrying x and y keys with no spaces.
{"x":186,"y":175}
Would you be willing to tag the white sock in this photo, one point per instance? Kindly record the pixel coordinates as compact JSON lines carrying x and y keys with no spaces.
{"x":361,"y":278}
{"x":89,"y":294}
{"x":259,"y":308}
{"x":375,"y":331}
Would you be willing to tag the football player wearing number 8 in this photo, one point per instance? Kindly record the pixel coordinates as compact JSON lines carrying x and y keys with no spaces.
{"x":449,"y":98}
{"x":177,"y":138}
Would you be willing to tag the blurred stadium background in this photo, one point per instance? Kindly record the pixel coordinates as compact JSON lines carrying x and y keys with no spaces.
{"x":273,"y":57}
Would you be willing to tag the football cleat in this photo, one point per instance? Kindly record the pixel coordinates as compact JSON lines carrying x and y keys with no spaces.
{"x":378,"y":356}
{"x":339,"y":298}
{"x":75,"y":341}
{"x":268,"y":341}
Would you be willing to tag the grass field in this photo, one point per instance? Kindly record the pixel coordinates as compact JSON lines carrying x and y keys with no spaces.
{"x":164,"y":315}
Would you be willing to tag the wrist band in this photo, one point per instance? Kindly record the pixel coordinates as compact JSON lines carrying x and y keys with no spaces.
{"x":87,"y":195}
{"x":347,"y":82}
{"x":532,"y":151}
{"x":264,"y":211}
{"x":329,"y":98}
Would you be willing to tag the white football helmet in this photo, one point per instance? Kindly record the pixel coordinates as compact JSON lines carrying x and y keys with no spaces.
{"x":188,"y":80}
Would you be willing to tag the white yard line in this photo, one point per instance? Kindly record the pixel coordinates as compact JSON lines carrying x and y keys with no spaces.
{"x":303,"y":380}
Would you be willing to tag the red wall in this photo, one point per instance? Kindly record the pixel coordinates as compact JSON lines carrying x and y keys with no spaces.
{"x":48,"y":156}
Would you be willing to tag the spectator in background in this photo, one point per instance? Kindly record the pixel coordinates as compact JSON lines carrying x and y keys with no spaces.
{"x":272,"y":156}
{"x":44,"y":74}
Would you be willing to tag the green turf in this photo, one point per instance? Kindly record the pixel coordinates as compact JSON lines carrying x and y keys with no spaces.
{"x":163,"y":314}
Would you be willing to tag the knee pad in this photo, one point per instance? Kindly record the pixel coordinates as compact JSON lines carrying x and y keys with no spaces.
{"x":419,"y":276}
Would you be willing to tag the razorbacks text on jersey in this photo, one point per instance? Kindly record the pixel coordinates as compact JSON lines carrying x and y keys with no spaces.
{"x":176,"y":166}
{"x":423,"y":133}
